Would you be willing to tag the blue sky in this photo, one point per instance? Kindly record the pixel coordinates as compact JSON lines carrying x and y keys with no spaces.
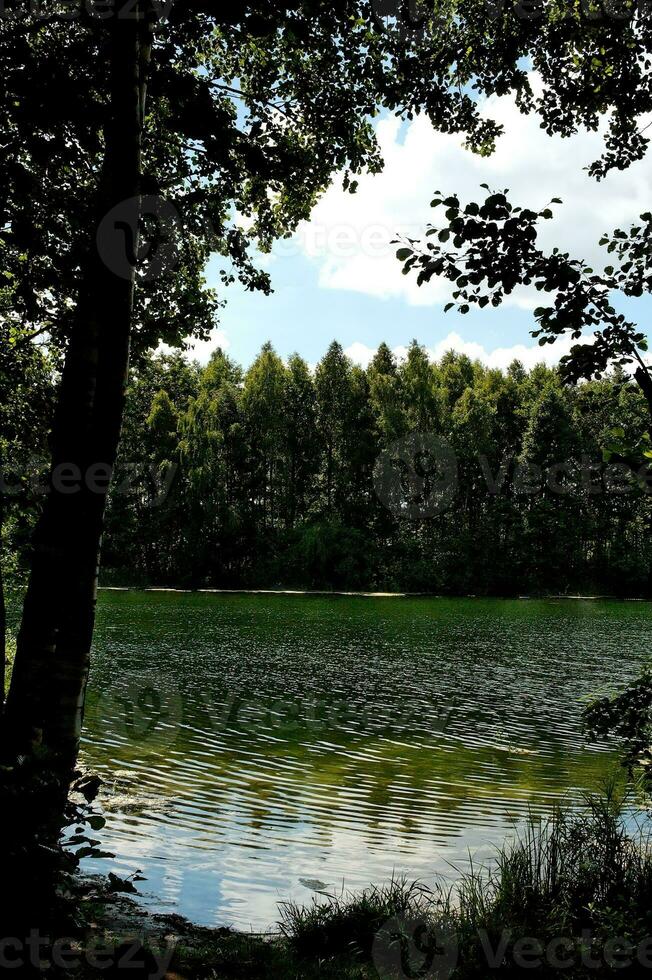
{"x":303,"y":316}
{"x":339,"y":278}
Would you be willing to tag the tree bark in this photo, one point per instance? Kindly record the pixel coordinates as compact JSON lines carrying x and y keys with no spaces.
{"x":643,"y":378}
{"x":46,"y":697}
{"x":3,"y":614}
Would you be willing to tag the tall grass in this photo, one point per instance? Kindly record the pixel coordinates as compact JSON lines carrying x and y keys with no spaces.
{"x":581,"y":878}
{"x":348,"y":924}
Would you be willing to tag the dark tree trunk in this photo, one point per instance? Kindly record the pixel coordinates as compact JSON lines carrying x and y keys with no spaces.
{"x":47,"y":692}
{"x":3,"y":614}
{"x":644,"y":379}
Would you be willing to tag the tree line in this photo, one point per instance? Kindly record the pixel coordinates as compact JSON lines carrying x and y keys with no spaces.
{"x":149,"y":116}
{"x":278,"y":476}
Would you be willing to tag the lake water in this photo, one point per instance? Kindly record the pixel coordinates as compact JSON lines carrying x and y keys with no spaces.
{"x":255,"y":746}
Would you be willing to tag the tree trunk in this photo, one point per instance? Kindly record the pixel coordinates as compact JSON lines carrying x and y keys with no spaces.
{"x":3,"y":614}
{"x":644,"y":379}
{"x":47,"y":692}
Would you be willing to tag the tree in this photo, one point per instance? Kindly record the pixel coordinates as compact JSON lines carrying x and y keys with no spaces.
{"x":143,"y":531}
{"x":553,"y":504}
{"x":140,"y":122}
{"x":264,"y":421}
{"x":301,"y":449}
{"x":385,"y":394}
{"x":26,"y":390}
{"x":420,"y":404}
{"x":182,"y":121}
{"x":494,"y":251}
{"x":333,"y":387}
{"x":518,"y":520}
{"x":214,"y":459}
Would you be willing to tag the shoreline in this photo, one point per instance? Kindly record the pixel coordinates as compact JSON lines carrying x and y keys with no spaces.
{"x":326,"y":593}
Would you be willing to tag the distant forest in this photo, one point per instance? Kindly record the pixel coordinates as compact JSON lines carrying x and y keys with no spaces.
{"x":265,"y":478}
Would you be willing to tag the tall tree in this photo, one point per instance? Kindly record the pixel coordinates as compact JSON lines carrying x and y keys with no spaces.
{"x":535,"y":506}
{"x":243,"y":116}
{"x":26,"y":392}
{"x":420,"y":404}
{"x":215,"y":463}
{"x":333,"y":386}
{"x":53,"y":650}
{"x":173,"y":116}
{"x":301,"y":448}
{"x":264,"y":420}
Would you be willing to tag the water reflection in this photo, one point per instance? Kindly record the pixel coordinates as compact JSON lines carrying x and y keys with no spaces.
{"x":250,"y":742}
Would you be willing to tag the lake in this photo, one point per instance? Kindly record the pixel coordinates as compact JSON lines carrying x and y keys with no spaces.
{"x":256,"y":747}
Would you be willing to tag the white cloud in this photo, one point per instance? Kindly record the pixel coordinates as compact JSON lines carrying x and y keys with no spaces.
{"x":349,"y":237}
{"x":360,"y":353}
{"x":201,"y":350}
{"x":498,"y":357}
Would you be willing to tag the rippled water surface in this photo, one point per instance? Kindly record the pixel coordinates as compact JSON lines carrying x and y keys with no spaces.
{"x":255,"y":746}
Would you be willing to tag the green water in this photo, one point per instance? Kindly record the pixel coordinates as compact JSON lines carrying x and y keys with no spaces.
{"x":254,"y":745}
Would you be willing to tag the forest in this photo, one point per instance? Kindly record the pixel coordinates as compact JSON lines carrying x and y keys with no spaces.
{"x":272,"y":477}
{"x":152,"y":157}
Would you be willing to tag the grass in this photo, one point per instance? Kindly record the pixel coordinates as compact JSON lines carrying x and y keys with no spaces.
{"x":577,"y":884}
{"x":573,"y":895}
{"x":348,"y":925}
